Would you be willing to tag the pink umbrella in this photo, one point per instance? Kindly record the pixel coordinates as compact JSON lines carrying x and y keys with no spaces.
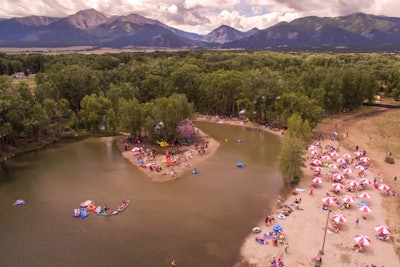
{"x":364,"y":195}
{"x":316,"y":162}
{"x":383,"y":229}
{"x":334,"y":154}
{"x":318,"y":180}
{"x":328,"y":200}
{"x":317,"y":168}
{"x":352,"y":183}
{"x":348,"y":199}
{"x":362,"y":240}
{"x":313,"y":152}
{"x":333,"y":165}
{"x":337,"y":186}
{"x":348,"y":171}
{"x":383,"y":187}
{"x":365,"y":209}
{"x":346,"y":156}
{"x":364,"y":159}
{"x":338,"y":176}
{"x":312,"y":147}
{"x":358,"y":153}
{"x":360,"y":168}
{"x":341,"y":160}
{"x":326,"y":157}
{"x":339,"y":218}
{"x":365,"y":181}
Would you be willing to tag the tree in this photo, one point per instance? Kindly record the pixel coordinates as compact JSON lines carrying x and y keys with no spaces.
{"x":130,"y":116}
{"x":186,"y":128}
{"x":291,"y":159}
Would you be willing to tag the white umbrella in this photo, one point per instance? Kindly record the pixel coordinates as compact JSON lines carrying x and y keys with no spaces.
{"x":353,"y":183}
{"x":358,"y":153}
{"x":326,"y":157}
{"x":338,"y":176}
{"x":339,"y":218}
{"x":383,"y":187}
{"x":348,"y":171}
{"x":317,"y":168}
{"x":383,"y":229}
{"x":328,"y":200}
{"x":337,"y":186}
{"x":365,"y":181}
{"x":364,"y":195}
{"x":365,"y":209}
{"x":360,"y":168}
{"x":341,"y":160}
{"x":364,"y":159}
{"x":318,"y":180}
{"x":362,"y":240}
{"x":334,"y":154}
{"x":348,"y":199}
{"x":316,"y":162}
{"x":333,"y":165}
{"x":346,"y":156}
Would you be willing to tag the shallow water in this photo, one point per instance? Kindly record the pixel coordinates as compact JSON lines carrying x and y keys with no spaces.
{"x":199,"y":220}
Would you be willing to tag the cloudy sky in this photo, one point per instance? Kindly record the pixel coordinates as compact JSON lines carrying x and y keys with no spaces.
{"x":202,"y":16}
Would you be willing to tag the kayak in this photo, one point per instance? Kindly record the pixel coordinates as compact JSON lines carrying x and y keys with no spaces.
{"x":123,"y":206}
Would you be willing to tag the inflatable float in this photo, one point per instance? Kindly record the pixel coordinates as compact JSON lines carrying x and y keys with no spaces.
{"x":77,"y":212}
{"x":19,"y":202}
{"x":240,"y":164}
{"x":195,"y":171}
{"x":83,"y":213}
{"x":256,"y":230}
{"x":281,"y":216}
{"x":85,"y":203}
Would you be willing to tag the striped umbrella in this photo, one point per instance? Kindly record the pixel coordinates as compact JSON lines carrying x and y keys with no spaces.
{"x":383,"y":229}
{"x":362,"y":240}
{"x":339,"y":218}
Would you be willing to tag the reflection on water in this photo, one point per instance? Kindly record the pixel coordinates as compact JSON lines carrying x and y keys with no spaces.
{"x":199,"y":220}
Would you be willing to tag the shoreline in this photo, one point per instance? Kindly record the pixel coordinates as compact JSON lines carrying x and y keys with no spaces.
{"x":304,"y":228}
{"x":185,"y":161}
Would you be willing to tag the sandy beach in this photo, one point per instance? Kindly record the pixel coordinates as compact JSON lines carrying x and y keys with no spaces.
{"x":305,"y":234}
{"x":186,"y":161}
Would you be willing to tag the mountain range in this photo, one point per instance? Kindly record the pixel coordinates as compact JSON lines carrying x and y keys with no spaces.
{"x":354,"y":32}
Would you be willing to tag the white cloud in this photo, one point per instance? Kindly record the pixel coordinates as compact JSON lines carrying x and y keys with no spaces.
{"x":204,"y":15}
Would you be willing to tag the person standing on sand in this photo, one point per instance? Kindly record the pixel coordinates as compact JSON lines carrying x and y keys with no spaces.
{"x":286,"y":247}
{"x":311,"y":190}
{"x":358,"y":219}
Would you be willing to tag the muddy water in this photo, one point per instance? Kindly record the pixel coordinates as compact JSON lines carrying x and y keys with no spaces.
{"x":199,"y":220}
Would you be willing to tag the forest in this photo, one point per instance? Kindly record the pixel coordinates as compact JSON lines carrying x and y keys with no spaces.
{"x":154,"y":92}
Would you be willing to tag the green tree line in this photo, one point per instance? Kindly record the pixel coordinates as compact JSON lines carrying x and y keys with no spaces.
{"x":152,"y":93}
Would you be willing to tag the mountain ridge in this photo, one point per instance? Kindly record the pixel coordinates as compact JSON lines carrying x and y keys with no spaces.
{"x":357,"y":31}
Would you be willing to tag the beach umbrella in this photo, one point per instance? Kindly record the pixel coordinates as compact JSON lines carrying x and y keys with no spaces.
{"x":365,"y":181}
{"x":136,"y":149}
{"x":362,"y":240}
{"x":364,"y":195}
{"x":318,"y":180}
{"x":313,"y":152}
{"x":365,"y":209}
{"x":348,"y":171}
{"x":348,"y":199}
{"x":352,"y":183}
{"x":317,"y":168}
{"x":338,"y":176}
{"x":358,"y":153}
{"x":277,"y":228}
{"x":346,"y":156}
{"x":333,"y":165}
{"x":360,"y":168}
{"x":328,"y":200}
{"x":364,"y":159}
{"x":383,"y":229}
{"x":383,"y":187}
{"x":326,"y":157}
{"x":312,"y":147}
{"x":337,"y":186}
{"x":334,"y":154}
{"x":341,"y":160}
{"x":316,"y":162}
{"x":339,"y":218}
